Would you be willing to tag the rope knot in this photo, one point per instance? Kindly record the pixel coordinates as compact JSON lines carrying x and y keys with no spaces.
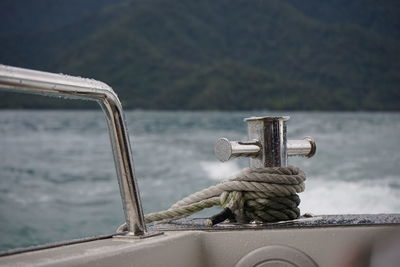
{"x":253,"y":194}
{"x":265,"y":195}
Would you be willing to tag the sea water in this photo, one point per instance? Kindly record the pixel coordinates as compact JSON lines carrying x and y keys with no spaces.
{"x":58,"y":180}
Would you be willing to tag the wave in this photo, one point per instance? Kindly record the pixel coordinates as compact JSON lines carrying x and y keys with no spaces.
{"x":219,"y":171}
{"x":344,"y":197}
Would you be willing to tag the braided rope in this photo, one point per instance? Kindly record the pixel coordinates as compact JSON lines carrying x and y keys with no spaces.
{"x":253,"y":194}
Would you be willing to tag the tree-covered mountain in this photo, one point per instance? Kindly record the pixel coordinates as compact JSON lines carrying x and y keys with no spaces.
{"x":381,"y":17}
{"x":226,"y":54}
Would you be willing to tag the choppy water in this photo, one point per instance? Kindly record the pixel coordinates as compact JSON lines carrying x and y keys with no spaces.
{"x":58,"y":180}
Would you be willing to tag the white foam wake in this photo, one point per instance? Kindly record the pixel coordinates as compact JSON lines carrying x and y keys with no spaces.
{"x":218,"y":170}
{"x":342,"y":197}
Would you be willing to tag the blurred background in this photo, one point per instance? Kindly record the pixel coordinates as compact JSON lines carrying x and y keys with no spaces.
{"x":188,"y":72}
{"x":219,"y":55}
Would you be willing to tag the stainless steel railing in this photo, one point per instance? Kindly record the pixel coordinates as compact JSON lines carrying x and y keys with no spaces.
{"x":50,"y":84}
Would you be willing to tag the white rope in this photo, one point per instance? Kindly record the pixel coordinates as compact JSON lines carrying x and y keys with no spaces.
{"x":253,"y":194}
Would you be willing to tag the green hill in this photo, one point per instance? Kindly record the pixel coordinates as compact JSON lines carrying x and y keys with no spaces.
{"x":227,"y":54}
{"x":381,"y":17}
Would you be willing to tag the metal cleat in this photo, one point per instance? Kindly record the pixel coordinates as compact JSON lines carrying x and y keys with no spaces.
{"x":267,"y":145}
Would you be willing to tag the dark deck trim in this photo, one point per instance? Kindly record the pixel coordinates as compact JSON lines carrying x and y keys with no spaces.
{"x":347,"y":220}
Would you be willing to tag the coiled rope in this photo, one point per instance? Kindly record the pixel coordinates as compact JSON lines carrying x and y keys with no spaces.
{"x":253,"y":194}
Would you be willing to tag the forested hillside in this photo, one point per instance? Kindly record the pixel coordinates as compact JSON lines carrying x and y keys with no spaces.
{"x":226,"y":54}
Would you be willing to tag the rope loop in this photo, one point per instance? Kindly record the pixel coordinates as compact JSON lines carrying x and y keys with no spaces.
{"x":277,"y":201}
{"x":253,"y":194}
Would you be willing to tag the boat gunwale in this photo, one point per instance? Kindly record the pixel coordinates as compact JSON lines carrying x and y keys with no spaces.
{"x":196,"y":224}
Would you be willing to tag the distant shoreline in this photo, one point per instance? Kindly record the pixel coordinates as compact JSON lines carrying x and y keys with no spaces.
{"x":199,"y":110}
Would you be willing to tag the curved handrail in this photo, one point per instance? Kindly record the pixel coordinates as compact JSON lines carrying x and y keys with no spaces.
{"x":51,"y":84}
